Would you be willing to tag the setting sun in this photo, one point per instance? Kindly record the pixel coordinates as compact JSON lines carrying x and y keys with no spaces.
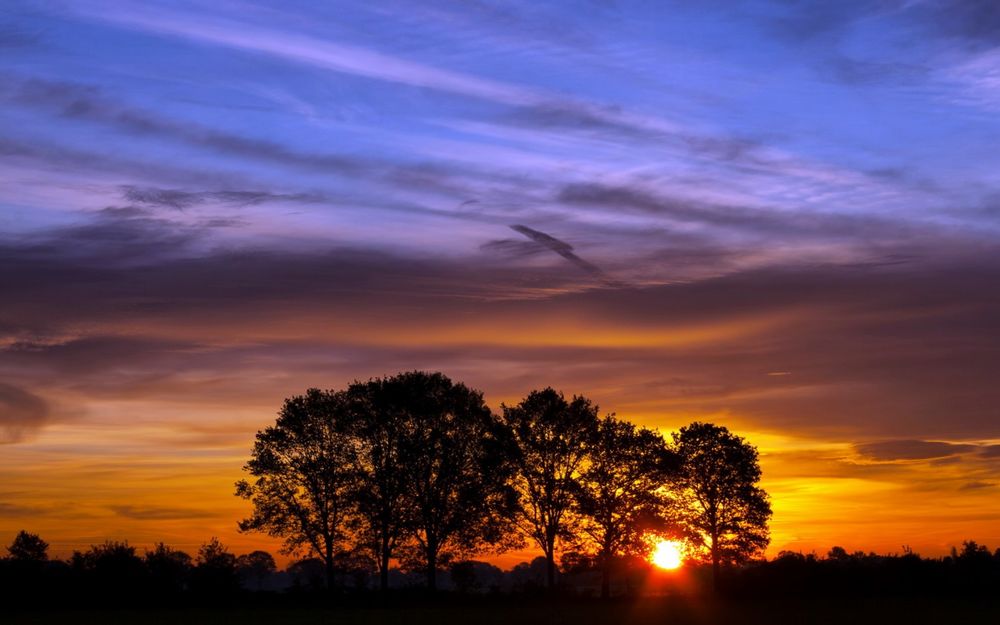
{"x":668,"y":554}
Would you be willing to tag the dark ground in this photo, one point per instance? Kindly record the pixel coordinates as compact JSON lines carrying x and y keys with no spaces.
{"x":518,"y":610}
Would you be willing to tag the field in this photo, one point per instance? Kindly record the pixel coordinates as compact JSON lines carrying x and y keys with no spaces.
{"x":517,"y":610}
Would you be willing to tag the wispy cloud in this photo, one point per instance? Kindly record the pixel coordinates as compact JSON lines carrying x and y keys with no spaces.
{"x":21,"y":413}
{"x":81,"y":102}
{"x":179,"y":199}
{"x":559,"y":247}
{"x":333,"y":56}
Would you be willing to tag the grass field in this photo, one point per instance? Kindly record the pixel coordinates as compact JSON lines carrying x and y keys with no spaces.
{"x":515,"y":610}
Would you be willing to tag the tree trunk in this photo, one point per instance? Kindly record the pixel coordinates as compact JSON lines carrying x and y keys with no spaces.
{"x":550,"y":557}
{"x":550,"y":568}
{"x":383,"y":581}
{"x":431,"y":566}
{"x":716,"y":569}
{"x":605,"y":578}
{"x":328,"y":561}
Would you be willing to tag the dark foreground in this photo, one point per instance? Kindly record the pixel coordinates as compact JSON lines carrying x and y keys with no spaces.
{"x":519,"y":611}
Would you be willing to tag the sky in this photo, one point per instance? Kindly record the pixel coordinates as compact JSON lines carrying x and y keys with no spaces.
{"x":778,"y":216}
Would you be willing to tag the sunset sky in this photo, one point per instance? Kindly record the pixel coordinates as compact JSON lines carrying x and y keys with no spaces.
{"x":782,"y":217}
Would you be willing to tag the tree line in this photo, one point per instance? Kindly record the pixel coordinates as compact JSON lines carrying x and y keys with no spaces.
{"x":117,"y":567}
{"x":416,"y":469}
{"x":116,"y":573}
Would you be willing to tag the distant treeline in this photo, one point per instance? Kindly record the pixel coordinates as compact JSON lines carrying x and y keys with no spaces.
{"x":972,"y":570}
{"x":115,"y":573}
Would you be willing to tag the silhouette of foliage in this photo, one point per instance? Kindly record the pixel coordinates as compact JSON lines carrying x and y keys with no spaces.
{"x":111,"y":566}
{"x":384,"y":516}
{"x":552,"y":436}
{"x":621,"y":498}
{"x":308,"y":574}
{"x":215,"y":569}
{"x":255,"y":568}
{"x":304,"y":476}
{"x":716,"y":494}
{"x":470,"y":576}
{"x":100,"y":577}
{"x":458,"y":470}
{"x":169,"y":569}
{"x":28,"y":547}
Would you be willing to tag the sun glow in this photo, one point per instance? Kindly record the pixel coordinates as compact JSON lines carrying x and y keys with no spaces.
{"x":668,"y":554}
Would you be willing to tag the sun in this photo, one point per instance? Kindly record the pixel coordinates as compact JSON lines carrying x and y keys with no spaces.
{"x":668,"y":554}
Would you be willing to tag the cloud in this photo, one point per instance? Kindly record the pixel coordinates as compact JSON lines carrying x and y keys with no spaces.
{"x":16,"y":36}
{"x":10,"y":511}
{"x":819,"y":21}
{"x":976,"y":485}
{"x":559,"y":247}
{"x":21,"y":413}
{"x":990,"y":451}
{"x":87,"y":103}
{"x":576,"y":117}
{"x":911,"y":450}
{"x":114,"y":234}
{"x":976,"y":21}
{"x":322,"y":53}
{"x":157,"y":513}
{"x":860,"y":72}
{"x":614,"y":123}
{"x":152,"y":307}
{"x":818,"y":225}
{"x":179,"y":199}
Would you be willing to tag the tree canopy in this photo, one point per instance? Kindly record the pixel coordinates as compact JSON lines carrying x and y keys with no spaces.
{"x":717,"y":494}
{"x":456,"y":459}
{"x":622,"y":498}
{"x":416,"y":469}
{"x":304,"y":476}
{"x":28,"y":547}
{"x":553,"y":436}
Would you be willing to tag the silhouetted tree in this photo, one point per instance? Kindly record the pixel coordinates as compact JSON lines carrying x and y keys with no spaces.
{"x":527,"y":576}
{"x":111,"y":567}
{"x":473,"y":576}
{"x":304,"y":476}
{"x":621,"y":498}
{"x":308,"y":574}
{"x":380,"y":423}
{"x":716,"y":490}
{"x":552,"y":436}
{"x":255,"y":568}
{"x":27,"y":569}
{"x":838,"y":554}
{"x":28,"y":547}
{"x":169,"y":569}
{"x":457,"y":458}
{"x":215,"y":569}
{"x":355,"y":567}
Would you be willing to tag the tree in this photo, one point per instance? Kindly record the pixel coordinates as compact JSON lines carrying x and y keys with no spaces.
{"x":255,"y":568}
{"x":28,"y":547}
{"x":552,"y":436}
{"x":457,"y":460}
{"x":112,"y":566}
{"x":380,"y":422}
{"x":717,"y":492}
{"x":215,"y":569}
{"x":168,"y":568}
{"x":469,"y":576}
{"x":621,"y":498}
{"x":308,"y":574}
{"x":304,"y":476}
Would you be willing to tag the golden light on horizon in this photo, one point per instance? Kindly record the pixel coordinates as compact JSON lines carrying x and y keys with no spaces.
{"x":668,"y":554}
